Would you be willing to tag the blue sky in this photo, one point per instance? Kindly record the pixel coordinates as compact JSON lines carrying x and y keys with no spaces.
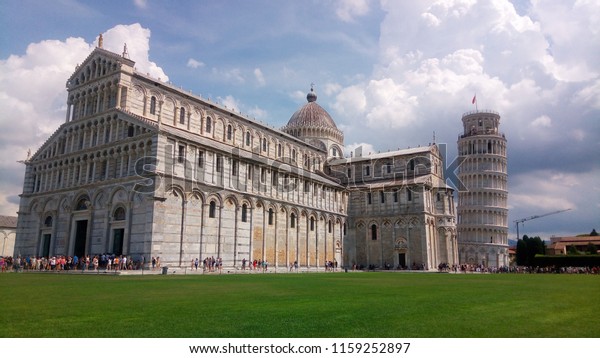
{"x":389,"y":72}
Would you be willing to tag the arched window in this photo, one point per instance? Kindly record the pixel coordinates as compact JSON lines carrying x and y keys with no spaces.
{"x":82,"y":204}
{"x":294,"y":155}
{"x":270,"y":216}
{"x":244,"y":213}
{"x":373,"y":232}
{"x":330,"y":226}
{"x":212,"y":208}
{"x":279,"y":150}
{"x":229,"y":132}
{"x":292,"y":220}
{"x":182,"y":115}
{"x":312,"y":224}
{"x":119,"y":214}
{"x":264,"y":145}
{"x":152,"y":105}
{"x":208,"y":124}
{"x":248,"y":139}
{"x":48,"y":221}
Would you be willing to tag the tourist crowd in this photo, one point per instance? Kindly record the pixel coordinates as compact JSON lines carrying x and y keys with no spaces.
{"x":107,"y":262}
{"x":111,"y":262}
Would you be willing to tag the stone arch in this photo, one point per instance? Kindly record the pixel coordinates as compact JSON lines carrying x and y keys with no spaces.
{"x":51,"y":204}
{"x":99,"y":198}
{"x":232,"y":199}
{"x":196,"y":194}
{"x":118,"y":195}
{"x":79,"y":201}
{"x":219,"y":128}
{"x":215,"y":197}
{"x":153,"y":92}
{"x":119,"y":212}
{"x":176,"y":189}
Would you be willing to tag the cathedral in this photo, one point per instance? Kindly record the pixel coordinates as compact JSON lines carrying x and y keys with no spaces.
{"x":144,"y":169}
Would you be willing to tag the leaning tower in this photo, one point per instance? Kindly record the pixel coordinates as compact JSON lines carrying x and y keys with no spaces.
{"x":482,"y":227}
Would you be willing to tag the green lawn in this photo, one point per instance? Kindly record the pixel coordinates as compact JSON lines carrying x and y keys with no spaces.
{"x":359,"y":304}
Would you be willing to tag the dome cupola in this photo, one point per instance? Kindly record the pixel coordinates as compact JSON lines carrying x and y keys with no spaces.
{"x":314,"y":125}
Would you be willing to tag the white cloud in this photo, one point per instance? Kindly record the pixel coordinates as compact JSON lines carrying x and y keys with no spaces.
{"x":298,"y":96}
{"x":332,"y":88}
{"x":431,"y":19}
{"x":229,"y":102}
{"x":391,"y":105}
{"x":260,"y":78}
{"x":347,"y":10}
{"x":258,"y":113}
{"x":351,"y":100}
{"x":232,"y":75}
{"x":589,"y":95}
{"x":192,"y":63}
{"x":364,"y":148}
{"x":444,"y":9}
{"x":542,"y":122}
{"x":137,"y":40}
{"x":531,"y":192}
{"x":142,"y":4}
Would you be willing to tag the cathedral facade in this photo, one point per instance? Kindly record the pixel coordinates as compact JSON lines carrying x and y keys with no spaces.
{"x":144,"y":169}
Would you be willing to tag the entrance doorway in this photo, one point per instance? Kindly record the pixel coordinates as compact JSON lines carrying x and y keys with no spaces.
{"x":80,"y":238}
{"x":117,"y":248}
{"x":46,"y":245}
{"x":402,"y":259}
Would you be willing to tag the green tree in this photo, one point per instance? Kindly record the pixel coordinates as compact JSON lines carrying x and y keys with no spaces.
{"x":527,"y":248}
{"x":521,"y":253}
{"x":593,"y":233}
{"x":591,"y":249}
{"x":572,"y":250}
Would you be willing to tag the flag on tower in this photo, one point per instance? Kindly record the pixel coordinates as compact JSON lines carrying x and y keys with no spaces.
{"x":474,"y":99}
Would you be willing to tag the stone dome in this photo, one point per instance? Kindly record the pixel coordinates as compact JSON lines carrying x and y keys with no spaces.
{"x":311,"y":115}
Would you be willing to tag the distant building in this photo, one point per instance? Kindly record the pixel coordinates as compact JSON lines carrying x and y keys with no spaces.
{"x":400,"y":211}
{"x":144,"y":168}
{"x":482,"y":209}
{"x":8,"y":232}
{"x":561,"y":245}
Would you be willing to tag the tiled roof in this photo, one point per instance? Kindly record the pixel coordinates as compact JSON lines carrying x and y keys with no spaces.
{"x":8,"y":221}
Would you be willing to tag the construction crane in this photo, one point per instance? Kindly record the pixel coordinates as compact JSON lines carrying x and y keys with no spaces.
{"x":521,"y":221}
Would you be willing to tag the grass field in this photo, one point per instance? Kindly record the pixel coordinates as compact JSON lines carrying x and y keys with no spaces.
{"x":361,"y":304}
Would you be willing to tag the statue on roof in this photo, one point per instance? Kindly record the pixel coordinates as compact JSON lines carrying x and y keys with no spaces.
{"x":100,"y":41}
{"x":125,"y":53}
